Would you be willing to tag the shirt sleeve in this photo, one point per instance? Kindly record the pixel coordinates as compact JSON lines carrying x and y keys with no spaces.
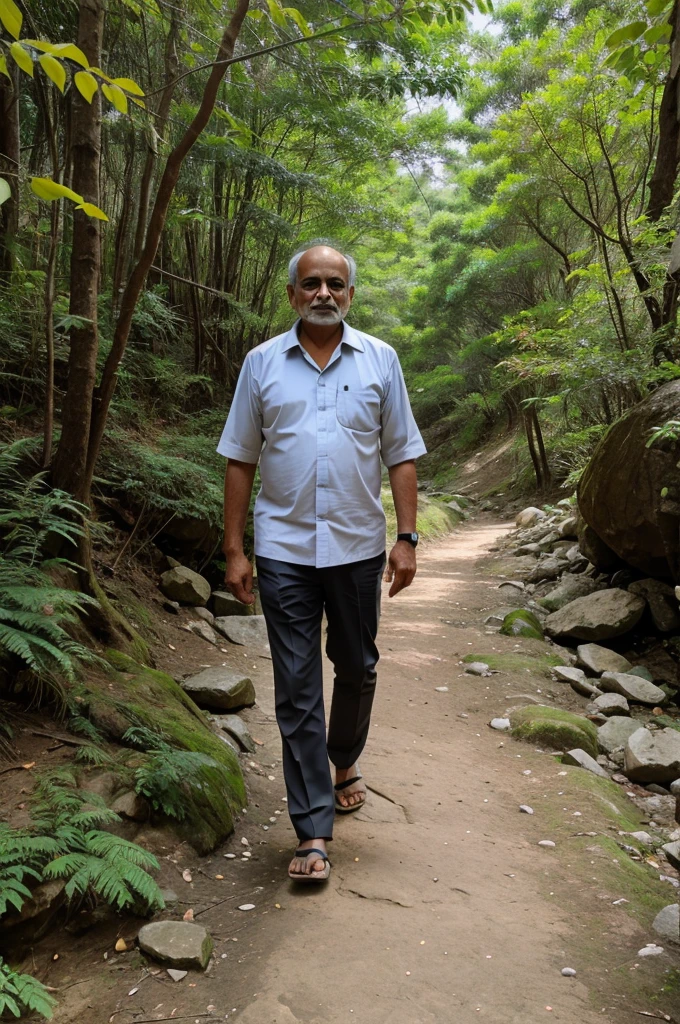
{"x":400,"y":438}
{"x":242,"y":437}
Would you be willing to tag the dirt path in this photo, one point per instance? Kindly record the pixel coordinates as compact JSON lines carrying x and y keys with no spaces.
{"x":441,"y":905}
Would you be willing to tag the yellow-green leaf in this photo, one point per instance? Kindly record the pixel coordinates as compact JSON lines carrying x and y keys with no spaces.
{"x":11,"y":17}
{"x":86,"y":84}
{"x":128,"y":85}
{"x":40,"y":44}
{"x":276,"y":13}
{"x":100,"y":74}
{"x":69,"y":51}
{"x":54,"y":70}
{"x":50,"y":190}
{"x":3,"y":66}
{"x":21,"y":57}
{"x":116,"y":96}
{"x":5,"y":191}
{"x":299,"y":20}
{"x":92,"y":211}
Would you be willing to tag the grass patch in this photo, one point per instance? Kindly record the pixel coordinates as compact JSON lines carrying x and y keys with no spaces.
{"x":511,"y":662}
{"x":434,"y":518}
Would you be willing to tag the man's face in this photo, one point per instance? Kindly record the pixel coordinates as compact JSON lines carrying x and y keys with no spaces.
{"x":321,"y":294}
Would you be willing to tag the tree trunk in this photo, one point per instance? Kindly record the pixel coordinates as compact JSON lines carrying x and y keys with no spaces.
{"x":121,"y":253}
{"x":159,"y":215}
{"x":662,"y":182}
{"x":9,"y":167}
{"x":529,"y":429}
{"x":546,"y":473}
{"x":71,"y":459}
{"x":155,"y":131}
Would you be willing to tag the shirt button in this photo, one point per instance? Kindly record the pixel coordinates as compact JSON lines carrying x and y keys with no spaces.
{"x":322,"y":383}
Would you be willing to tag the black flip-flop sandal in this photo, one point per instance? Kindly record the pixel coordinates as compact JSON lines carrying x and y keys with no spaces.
{"x":338,"y":787}
{"x":314,"y":876}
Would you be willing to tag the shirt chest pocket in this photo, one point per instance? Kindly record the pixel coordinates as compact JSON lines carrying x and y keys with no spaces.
{"x":358,"y":409}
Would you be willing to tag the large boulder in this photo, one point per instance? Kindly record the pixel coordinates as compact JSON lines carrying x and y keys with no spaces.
{"x":599,"y":616}
{"x":186,"y":586}
{"x":224,"y":603}
{"x":598,"y":659}
{"x":568,"y":589}
{"x":181,"y":944}
{"x":653,"y":756}
{"x":632,"y":688}
{"x":615,"y":732}
{"x":663,"y":604}
{"x":629,"y":493}
{"x":529,"y":516}
{"x":218,"y":688}
{"x":244,"y":630}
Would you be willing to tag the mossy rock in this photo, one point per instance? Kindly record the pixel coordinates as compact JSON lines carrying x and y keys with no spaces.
{"x":514,"y":662}
{"x":554,"y":728}
{"x":522,"y":623}
{"x":143,"y":696}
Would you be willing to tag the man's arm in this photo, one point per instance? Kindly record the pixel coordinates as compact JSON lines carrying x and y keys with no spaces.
{"x":238,"y":486}
{"x":401,"y":566}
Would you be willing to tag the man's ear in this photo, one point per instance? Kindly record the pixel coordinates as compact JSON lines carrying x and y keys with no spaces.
{"x":291,"y":295}
{"x":351,"y":293}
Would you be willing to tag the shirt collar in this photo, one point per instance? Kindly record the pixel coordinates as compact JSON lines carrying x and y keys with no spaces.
{"x":349,"y":337}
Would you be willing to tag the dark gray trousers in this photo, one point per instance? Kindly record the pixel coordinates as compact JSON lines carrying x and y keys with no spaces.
{"x":294,"y":598}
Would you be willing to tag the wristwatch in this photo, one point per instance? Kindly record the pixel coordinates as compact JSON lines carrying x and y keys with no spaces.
{"x":410,"y":538}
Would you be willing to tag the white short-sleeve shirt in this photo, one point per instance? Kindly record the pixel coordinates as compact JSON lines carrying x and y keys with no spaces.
{"x":319,"y":436}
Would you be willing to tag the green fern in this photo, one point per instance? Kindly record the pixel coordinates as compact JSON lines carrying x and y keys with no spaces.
{"x":106,"y":866}
{"x":167,"y":775}
{"x":21,"y":994}
{"x":34,"y":613}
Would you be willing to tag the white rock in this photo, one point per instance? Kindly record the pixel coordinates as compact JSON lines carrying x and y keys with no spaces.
{"x":477,"y":668}
{"x":247,"y":906}
{"x":502,"y":724}
{"x":632,"y":688}
{"x":442,"y":689}
{"x":651,"y":949}
{"x":526,"y":809}
{"x":642,"y":837}
{"x":568,"y":972}
{"x":548,"y":843}
{"x":581,"y":759}
{"x":667,"y":922}
{"x":176,"y":975}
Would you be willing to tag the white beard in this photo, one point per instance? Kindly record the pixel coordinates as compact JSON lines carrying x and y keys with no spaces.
{"x":323,"y":317}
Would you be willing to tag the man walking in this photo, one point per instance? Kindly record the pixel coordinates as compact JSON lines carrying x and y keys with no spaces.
{"x":319,"y":407}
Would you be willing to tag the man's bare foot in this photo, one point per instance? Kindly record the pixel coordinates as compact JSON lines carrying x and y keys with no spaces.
{"x":311,"y":864}
{"x":354,"y":794}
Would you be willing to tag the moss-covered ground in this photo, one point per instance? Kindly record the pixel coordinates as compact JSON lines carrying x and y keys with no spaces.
{"x":511,"y":662}
{"x":595,"y":871}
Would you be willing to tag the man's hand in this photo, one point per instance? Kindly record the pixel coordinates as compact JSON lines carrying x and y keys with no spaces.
{"x":239,"y":578}
{"x":401,"y":567}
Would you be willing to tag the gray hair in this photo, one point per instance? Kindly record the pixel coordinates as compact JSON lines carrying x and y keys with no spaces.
{"x":293,"y":265}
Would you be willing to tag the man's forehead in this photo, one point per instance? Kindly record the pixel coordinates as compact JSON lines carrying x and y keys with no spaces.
{"x":322,"y":260}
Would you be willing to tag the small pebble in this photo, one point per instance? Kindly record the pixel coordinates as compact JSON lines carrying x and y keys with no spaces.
{"x":244,"y":842}
{"x":568,"y":972}
{"x":230,"y":856}
{"x":247,"y":906}
{"x":442,"y":689}
{"x":526,"y":809}
{"x":546,"y":842}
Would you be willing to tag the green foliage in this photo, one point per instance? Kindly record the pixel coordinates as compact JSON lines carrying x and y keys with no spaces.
{"x":167,"y":775}
{"x":34,"y":612}
{"x":20,"y":994}
{"x":164,"y":484}
{"x":64,"y":841}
